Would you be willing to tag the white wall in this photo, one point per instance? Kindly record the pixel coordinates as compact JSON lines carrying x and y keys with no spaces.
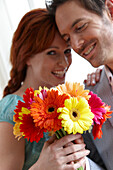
{"x":11,"y":11}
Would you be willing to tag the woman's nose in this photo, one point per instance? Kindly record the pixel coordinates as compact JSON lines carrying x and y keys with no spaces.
{"x":63,"y":61}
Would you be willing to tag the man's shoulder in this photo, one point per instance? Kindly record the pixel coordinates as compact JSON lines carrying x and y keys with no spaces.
{"x":101,"y":85}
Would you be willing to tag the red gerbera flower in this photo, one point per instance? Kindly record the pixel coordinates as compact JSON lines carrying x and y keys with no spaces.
{"x":19,"y":108}
{"x":97,"y":131}
{"x":28,"y":97}
{"x":30,"y":131}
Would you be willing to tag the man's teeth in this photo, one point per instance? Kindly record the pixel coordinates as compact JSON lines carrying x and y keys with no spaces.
{"x":89,"y":50}
{"x":59,"y":73}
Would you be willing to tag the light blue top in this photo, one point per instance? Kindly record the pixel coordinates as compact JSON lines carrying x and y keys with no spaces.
{"x":32,"y":150}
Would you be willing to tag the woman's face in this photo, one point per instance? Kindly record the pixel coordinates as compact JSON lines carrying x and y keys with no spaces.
{"x":49,"y":67}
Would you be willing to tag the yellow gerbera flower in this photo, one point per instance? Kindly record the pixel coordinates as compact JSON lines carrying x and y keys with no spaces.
{"x":76,"y":115}
{"x":16,"y":129}
{"x":74,"y":90}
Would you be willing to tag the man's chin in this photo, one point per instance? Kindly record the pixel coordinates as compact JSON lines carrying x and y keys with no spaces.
{"x":95,"y":65}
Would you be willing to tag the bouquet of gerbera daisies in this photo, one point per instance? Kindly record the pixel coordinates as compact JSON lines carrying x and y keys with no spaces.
{"x":65,"y":109}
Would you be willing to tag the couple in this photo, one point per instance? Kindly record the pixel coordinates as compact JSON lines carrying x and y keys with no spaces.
{"x":86,"y":26}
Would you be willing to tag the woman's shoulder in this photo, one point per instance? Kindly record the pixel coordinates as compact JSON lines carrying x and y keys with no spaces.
{"x":7,"y":106}
{"x":9,"y":101}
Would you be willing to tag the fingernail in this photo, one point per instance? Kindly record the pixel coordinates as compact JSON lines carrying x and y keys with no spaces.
{"x":84,"y":145}
{"x":87,"y":151}
{"x":97,"y":78}
{"x":93,"y":82}
{"x":88,"y":83}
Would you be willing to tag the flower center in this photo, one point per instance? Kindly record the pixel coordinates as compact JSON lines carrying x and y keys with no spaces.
{"x":74,"y":114}
{"x":50,"y":109}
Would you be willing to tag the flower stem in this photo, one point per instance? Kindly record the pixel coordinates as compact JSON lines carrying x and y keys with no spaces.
{"x":59,"y":134}
{"x":81,"y":168}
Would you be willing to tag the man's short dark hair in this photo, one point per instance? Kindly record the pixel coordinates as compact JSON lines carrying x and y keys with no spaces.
{"x":96,"y":6}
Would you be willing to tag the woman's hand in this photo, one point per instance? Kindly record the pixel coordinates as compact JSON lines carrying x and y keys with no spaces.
{"x":61,"y":154}
{"x":93,"y":78}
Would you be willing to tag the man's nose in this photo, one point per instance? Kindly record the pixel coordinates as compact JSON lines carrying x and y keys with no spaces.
{"x":76,"y":43}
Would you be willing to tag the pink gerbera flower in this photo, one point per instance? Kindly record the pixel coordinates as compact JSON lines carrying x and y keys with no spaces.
{"x":42,"y":94}
{"x":97,"y":108}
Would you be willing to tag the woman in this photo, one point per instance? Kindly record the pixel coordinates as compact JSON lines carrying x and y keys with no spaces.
{"x":39,"y":57}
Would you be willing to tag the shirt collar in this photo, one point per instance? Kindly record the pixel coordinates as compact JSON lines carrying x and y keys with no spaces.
{"x":109,"y":76}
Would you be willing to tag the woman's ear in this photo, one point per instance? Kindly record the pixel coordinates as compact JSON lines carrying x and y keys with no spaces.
{"x":28,"y":63}
{"x":109,"y":5}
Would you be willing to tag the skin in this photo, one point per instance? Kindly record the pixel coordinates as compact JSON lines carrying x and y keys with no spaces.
{"x":41,"y":73}
{"x":57,"y":151}
{"x":109,"y":3}
{"x":51,"y":65}
{"x":60,"y":151}
{"x":93,"y":78}
{"x":86,"y":32}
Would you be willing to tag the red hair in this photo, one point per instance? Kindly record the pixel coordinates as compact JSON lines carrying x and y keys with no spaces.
{"x":34,"y":34}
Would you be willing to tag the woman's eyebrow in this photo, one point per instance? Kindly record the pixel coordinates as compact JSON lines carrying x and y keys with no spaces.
{"x":53,"y":47}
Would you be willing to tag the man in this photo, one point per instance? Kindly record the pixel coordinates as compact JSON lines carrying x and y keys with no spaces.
{"x":88,"y":26}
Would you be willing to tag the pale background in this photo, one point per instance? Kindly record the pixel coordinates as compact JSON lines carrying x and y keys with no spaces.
{"x":11,"y":11}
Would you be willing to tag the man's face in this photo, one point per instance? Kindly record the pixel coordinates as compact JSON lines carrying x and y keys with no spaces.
{"x":89,"y":34}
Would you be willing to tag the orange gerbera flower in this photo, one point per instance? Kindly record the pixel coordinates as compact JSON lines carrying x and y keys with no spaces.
{"x":97,"y":128}
{"x":44,"y":112}
{"x":74,"y":90}
{"x":107,"y":114}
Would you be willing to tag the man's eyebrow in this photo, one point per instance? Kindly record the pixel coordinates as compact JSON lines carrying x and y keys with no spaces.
{"x":63,"y":35}
{"x":73,"y":24}
{"x":76,"y":21}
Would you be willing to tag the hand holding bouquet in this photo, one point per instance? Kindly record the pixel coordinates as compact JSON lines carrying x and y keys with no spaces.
{"x":65,"y":109}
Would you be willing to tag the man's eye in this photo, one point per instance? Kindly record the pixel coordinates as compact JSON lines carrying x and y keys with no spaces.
{"x":51,"y":53}
{"x":67,"y":40}
{"x":81,"y":27}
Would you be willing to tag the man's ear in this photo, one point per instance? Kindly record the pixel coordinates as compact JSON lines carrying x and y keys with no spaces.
{"x":109,"y":5}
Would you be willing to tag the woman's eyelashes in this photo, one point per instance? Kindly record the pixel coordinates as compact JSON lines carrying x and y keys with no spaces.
{"x":52,"y":52}
{"x":67,"y":51}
